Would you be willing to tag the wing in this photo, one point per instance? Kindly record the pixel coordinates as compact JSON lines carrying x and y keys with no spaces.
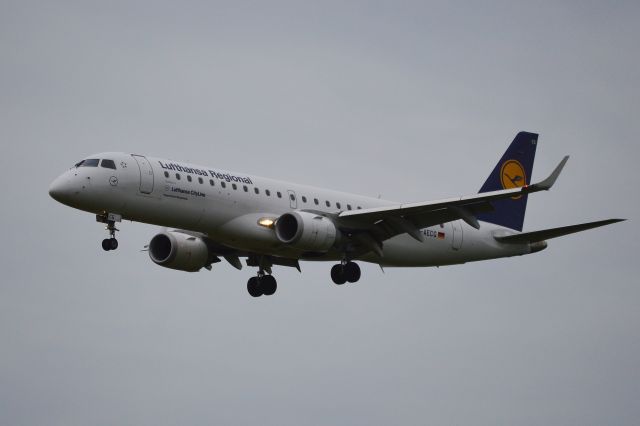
{"x":372,"y":226}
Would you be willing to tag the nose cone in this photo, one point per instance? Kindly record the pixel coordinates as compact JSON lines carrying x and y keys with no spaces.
{"x":60,"y":189}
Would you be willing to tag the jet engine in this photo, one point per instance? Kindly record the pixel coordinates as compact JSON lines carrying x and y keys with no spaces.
{"x":180,"y":251}
{"x":307,"y":231}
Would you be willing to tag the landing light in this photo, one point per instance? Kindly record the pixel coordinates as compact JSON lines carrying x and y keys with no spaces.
{"x":267,"y":222}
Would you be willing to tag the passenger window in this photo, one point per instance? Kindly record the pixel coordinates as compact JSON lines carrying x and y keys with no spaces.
{"x":279,"y":194}
{"x":200,"y":180}
{"x":245,"y":188}
{"x":338,"y":205}
{"x":327,"y":203}
{"x":166,"y":174}
{"x":304,"y":199}
{"x":211,"y":182}
{"x":267,"y":192}
{"x":224,"y":185}
{"x":359,"y":208}
{"x":189,"y":178}
{"x":178,"y":176}
{"x":348,"y":206}
{"x":256,"y":190}
{"x":315,"y":200}
{"x":234,"y":186}
{"x":293,"y":197}
{"x":108,"y":164}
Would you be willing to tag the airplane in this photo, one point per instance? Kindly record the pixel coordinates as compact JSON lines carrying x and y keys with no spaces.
{"x":210,"y":214}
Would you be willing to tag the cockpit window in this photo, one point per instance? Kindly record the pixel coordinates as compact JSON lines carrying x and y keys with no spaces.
{"x":90,"y":162}
{"x":108,"y":164}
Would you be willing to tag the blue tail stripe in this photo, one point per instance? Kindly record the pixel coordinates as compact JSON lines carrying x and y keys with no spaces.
{"x":508,"y":173}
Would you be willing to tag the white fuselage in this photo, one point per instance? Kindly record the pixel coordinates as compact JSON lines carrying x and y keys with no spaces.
{"x":227,"y":206}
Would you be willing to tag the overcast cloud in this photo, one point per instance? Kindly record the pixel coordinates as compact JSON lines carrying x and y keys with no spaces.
{"x":411,"y":100}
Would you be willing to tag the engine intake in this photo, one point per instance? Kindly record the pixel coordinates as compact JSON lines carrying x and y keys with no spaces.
{"x":307,"y":231}
{"x":179,"y":251}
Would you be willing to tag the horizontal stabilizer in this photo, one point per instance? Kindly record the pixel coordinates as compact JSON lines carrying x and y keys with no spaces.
{"x":546,"y":234}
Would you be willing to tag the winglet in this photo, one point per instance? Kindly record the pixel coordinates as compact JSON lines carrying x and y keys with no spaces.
{"x":546,"y":184}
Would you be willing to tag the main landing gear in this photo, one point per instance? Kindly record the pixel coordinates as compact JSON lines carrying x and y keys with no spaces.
{"x":346,"y":271}
{"x":265,"y":283}
{"x":262,"y":285}
{"x":110,"y":219}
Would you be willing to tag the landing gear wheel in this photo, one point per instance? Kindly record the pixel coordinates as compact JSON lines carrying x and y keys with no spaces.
{"x":110,"y":219}
{"x":337,"y":274}
{"x":352,"y":272}
{"x":268,"y":285}
{"x":253,"y":287}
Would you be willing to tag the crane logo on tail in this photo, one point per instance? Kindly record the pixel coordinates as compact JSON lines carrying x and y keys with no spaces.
{"x":512,"y":175}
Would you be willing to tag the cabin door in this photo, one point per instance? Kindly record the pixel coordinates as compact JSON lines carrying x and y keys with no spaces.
{"x":146,"y":174}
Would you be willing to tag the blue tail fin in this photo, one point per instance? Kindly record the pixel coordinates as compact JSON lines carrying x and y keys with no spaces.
{"x":513,"y":170}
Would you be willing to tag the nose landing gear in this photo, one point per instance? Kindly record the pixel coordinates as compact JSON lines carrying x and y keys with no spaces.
{"x":110,"y":219}
{"x":109,"y":244}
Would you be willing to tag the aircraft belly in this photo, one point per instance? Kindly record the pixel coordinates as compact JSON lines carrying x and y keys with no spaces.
{"x":441,"y":250}
{"x":403,"y":250}
{"x":245,"y":232}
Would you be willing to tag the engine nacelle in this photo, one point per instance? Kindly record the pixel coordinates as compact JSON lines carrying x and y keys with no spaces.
{"x":307,"y":231}
{"x":180,"y":251}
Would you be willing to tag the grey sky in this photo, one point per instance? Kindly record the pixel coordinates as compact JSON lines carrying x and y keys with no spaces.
{"x":411,"y":100}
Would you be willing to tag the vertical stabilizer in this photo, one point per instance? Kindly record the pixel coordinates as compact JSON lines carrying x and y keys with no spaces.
{"x":513,"y":170}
